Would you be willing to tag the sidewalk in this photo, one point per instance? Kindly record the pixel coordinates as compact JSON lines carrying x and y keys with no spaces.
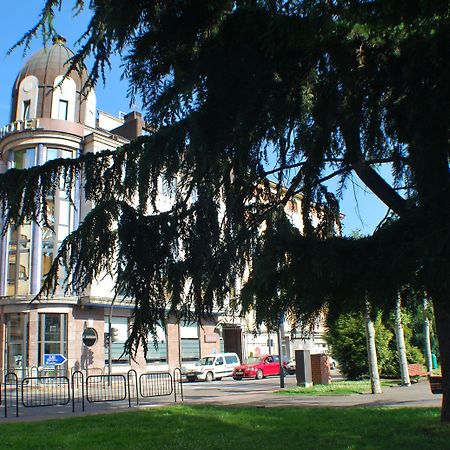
{"x":417,"y":395}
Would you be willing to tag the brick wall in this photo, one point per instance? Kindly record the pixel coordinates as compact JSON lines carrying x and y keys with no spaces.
{"x":320,"y":369}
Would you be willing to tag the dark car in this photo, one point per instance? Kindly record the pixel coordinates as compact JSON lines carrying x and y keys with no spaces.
{"x":258,"y":367}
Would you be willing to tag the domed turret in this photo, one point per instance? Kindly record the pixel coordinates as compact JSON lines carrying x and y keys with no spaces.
{"x":42,"y":89}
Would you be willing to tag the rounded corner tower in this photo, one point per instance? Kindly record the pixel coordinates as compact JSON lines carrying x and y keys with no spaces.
{"x":46,"y":89}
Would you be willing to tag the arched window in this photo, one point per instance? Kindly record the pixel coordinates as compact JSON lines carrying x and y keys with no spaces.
{"x":27,"y":98}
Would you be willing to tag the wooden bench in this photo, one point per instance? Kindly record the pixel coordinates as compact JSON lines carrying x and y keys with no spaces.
{"x":435,"y":384}
{"x":416,"y":371}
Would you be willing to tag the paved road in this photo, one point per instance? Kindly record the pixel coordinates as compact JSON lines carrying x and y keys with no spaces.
{"x":258,"y":393}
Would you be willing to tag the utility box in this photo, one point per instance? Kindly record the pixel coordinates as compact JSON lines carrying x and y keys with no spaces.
{"x":303,"y":368}
{"x":320,"y":368}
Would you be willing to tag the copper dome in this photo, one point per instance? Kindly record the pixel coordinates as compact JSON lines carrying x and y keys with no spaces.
{"x":46,"y":65}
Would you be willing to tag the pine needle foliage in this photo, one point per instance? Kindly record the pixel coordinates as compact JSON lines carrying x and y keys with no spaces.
{"x":239,"y":91}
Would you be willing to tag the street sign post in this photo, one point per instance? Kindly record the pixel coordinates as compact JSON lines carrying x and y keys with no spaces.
{"x":54,"y":359}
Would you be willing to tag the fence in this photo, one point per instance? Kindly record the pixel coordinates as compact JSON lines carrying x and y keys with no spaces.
{"x":80,"y":388}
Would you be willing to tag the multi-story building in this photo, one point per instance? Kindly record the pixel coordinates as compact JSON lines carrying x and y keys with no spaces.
{"x":51,"y":117}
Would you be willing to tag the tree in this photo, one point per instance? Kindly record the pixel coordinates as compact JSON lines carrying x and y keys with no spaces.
{"x":401,"y":348}
{"x":237,"y":92}
{"x":426,"y":337}
{"x":347,"y":337}
{"x":372,"y":351}
{"x":348,"y":341}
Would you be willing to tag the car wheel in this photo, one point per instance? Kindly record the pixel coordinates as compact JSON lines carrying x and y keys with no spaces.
{"x":237,"y":378}
{"x":209,"y":376}
{"x":259,"y":374}
{"x":191,"y":380}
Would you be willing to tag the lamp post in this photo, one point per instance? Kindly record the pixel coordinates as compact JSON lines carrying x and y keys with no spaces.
{"x":110,"y":339}
{"x":280,"y":349}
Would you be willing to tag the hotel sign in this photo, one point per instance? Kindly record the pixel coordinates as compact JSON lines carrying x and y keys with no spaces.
{"x":19,"y":125}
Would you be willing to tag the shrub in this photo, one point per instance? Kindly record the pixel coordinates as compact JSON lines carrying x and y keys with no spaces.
{"x":347,"y":339}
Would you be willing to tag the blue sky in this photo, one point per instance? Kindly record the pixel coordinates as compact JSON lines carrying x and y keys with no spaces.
{"x":362,"y":209}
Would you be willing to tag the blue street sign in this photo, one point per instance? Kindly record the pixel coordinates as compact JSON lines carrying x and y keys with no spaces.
{"x":54,"y":359}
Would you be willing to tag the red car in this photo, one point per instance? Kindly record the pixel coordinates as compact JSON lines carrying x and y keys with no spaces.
{"x":258,"y":367}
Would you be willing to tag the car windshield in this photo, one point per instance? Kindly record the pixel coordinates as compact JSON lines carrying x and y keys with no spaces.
{"x":253,"y":360}
{"x":206,"y":361}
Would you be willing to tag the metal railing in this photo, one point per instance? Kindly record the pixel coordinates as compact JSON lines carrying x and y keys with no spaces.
{"x":45,"y":391}
{"x":11,"y":392}
{"x":41,"y":391}
{"x":77,"y":387}
{"x":106,"y":388}
{"x":155,"y":384}
{"x":178,"y":384}
{"x":132,"y":382}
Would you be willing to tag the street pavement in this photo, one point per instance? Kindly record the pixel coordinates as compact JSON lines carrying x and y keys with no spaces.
{"x":256,"y":393}
{"x":262,"y":395}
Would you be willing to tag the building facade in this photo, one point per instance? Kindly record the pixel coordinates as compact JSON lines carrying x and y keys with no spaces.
{"x":51,"y":117}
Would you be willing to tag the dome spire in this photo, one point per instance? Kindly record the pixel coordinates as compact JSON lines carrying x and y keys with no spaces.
{"x":58,"y":39}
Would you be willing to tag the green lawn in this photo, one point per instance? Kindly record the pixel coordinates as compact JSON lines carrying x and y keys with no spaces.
{"x":337,"y":388}
{"x":209,"y":427}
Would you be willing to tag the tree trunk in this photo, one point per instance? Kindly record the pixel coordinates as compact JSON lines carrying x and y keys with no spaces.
{"x":372,"y":353}
{"x":401,"y":349}
{"x":442,"y":318}
{"x":426,"y":336}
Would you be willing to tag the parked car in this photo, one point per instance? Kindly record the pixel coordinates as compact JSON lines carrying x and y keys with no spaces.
{"x":290,"y":366}
{"x":258,"y":367}
{"x":213,"y":367}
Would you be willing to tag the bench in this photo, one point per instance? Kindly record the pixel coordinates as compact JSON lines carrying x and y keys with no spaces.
{"x":416,"y":371}
{"x":435,"y":384}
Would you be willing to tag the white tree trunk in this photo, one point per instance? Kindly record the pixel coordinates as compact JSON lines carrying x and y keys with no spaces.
{"x":372,"y":353}
{"x":426,"y":336}
{"x":401,"y":348}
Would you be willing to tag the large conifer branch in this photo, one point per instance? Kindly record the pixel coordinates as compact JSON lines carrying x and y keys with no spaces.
{"x":369,"y":176}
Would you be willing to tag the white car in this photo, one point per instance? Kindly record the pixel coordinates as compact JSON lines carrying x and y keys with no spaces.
{"x":213,"y":367}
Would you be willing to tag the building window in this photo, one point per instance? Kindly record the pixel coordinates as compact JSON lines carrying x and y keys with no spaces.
{"x":52,"y":335}
{"x":26,"y":110}
{"x":189,"y":342}
{"x":16,"y":342}
{"x":19,"y":260}
{"x":24,"y":159}
{"x":63,"y":108}
{"x":157,"y":355}
{"x":117,"y":347}
{"x":60,"y":216}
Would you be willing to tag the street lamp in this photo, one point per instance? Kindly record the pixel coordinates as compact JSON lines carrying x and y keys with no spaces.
{"x":280,"y":349}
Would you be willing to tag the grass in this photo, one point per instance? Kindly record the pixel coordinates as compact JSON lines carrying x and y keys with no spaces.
{"x":337,"y":388}
{"x":210,"y":427}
